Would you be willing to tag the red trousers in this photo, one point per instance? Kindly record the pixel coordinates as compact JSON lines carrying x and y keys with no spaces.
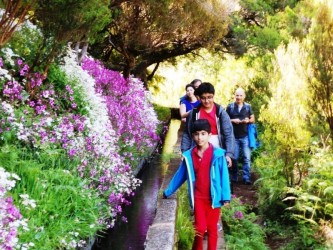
{"x":205,"y":218}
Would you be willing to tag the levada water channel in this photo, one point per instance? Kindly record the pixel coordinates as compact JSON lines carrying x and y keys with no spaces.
{"x":140,"y":214}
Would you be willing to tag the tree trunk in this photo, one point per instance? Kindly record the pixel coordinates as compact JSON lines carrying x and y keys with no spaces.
{"x":13,"y":16}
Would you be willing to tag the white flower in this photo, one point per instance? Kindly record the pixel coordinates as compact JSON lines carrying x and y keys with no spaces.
{"x":4,"y":73}
{"x":66,"y":171}
{"x":49,"y":121}
{"x":7,"y":108}
{"x":28,"y":203}
{"x":9,"y":54}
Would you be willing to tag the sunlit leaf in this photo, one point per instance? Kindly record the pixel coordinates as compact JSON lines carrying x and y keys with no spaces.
{"x":328,"y":190}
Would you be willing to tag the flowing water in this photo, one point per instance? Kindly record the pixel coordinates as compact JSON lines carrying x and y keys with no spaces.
{"x":140,"y":214}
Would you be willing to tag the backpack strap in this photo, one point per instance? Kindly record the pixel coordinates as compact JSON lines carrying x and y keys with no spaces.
{"x":217,"y":106}
{"x":232,"y":107}
{"x":195,"y":111}
{"x":247,"y":107}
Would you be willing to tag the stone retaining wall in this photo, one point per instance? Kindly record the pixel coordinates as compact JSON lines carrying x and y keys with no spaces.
{"x":162,"y":233}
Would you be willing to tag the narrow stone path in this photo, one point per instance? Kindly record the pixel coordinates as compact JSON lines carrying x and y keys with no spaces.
{"x":162,"y":233}
{"x":172,"y":168}
{"x":220,"y":243}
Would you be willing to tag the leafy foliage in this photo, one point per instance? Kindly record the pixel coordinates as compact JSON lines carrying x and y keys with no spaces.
{"x":14,"y":14}
{"x":68,"y":20}
{"x":284,"y":117}
{"x":240,"y":229}
{"x":313,"y":199}
{"x":60,"y":195}
{"x":321,"y":55}
{"x":146,"y":32}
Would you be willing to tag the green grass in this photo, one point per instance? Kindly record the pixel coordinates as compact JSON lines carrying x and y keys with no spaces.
{"x":64,"y":206}
{"x":163,"y":115}
{"x":184,"y":222}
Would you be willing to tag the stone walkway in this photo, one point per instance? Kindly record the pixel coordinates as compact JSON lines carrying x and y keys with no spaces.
{"x":162,"y":233}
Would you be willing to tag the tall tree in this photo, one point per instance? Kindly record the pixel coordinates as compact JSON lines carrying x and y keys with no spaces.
{"x":321,"y":55}
{"x":146,"y":32}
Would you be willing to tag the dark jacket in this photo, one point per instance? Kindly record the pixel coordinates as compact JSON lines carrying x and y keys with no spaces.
{"x":224,"y":128}
{"x":240,"y":130}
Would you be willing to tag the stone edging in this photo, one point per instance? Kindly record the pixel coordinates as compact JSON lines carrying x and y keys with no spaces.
{"x":162,"y":233}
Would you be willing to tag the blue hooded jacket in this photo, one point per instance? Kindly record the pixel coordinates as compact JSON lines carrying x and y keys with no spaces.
{"x":219,"y":178}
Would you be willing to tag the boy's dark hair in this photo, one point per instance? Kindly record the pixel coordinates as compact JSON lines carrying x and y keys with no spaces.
{"x":201,"y":124}
{"x":205,"y":87}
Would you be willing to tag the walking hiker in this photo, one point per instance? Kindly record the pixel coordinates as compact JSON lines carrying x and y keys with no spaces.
{"x":222,"y":130}
{"x":188,"y":103}
{"x":241,"y":116}
{"x":205,"y":169}
{"x":195,"y":83}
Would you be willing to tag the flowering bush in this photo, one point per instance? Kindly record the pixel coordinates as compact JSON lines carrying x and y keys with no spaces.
{"x":10,"y":217}
{"x":69,"y":120}
{"x":126,"y":101}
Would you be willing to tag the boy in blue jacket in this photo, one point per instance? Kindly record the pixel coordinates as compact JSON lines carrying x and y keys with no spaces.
{"x":206,"y":171}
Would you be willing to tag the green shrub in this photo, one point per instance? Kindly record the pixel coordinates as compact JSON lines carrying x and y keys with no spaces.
{"x":313,"y":199}
{"x":163,"y":115}
{"x":297,"y":236}
{"x":240,"y":229}
{"x":58,"y":78}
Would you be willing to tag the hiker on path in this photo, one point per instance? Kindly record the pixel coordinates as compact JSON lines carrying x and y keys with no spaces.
{"x":188,"y":103}
{"x":195,"y":83}
{"x":205,"y":169}
{"x":222,"y":130}
{"x":241,"y":116}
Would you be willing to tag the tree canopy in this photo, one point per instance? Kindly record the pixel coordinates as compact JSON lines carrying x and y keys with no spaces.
{"x":146,"y":32}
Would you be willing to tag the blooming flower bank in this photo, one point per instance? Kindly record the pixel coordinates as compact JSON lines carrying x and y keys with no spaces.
{"x":71,"y":140}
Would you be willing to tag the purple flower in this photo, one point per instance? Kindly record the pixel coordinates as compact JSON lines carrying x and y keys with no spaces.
{"x":24,"y":70}
{"x":32,"y":104}
{"x":72,"y":152}
{"x":69,"y":89}
{"x":13,"y":90}
{"x":238,"y":215}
